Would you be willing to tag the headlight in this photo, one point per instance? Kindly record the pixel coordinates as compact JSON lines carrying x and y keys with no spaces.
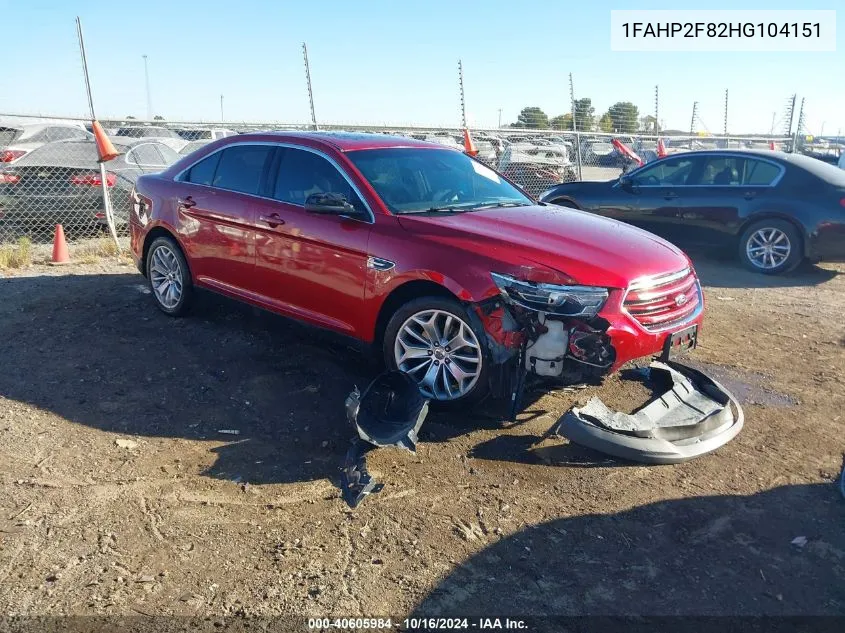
{"x":572,"y":301}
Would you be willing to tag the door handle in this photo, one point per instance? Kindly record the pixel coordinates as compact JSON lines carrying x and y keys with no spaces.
{"x":187,"y":203}
{"x":748,"y":195}
{"x":273,"y":220}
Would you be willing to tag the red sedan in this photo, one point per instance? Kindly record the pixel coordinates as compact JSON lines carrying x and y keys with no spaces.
{"x":436,"y":260}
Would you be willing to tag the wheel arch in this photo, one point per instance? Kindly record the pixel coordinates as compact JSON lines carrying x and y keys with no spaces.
{"x":774,"y":215}
{"x":402,"y":294}
{"x":152,"y":235}
{"x":564,"y":198}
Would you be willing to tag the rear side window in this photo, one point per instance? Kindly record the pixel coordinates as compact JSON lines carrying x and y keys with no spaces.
{"x":145,"y":155}
{"x":721,"y":171}
{"x":203,"y":172}
{"x":760,"y":173}
{"x":240,"y":168}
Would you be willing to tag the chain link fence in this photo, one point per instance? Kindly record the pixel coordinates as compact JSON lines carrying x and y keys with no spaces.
{"x":49,"y":172}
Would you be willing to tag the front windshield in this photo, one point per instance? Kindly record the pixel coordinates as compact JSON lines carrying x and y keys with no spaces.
{"x":419,"y":180}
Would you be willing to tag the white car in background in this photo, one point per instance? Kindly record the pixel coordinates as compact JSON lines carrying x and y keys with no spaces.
{"x":18,"y":141}
{"x":160,"y":134}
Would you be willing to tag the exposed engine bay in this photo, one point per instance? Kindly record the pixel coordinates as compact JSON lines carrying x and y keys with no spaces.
{"x":552,"y":346}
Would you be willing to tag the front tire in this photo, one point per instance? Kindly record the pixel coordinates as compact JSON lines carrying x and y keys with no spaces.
{"x":433,"y":340}
{"x":169,"y":277}
{"x":771,"y":247}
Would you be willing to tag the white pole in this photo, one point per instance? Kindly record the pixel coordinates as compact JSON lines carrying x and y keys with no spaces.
{"x":103,"y":175}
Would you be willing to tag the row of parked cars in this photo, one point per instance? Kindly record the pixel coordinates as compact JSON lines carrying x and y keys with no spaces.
{"x":49,"y":172}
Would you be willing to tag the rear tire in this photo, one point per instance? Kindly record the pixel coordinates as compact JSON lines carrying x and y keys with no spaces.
{"x":169,"y":277}
{"x":434,"y":341}
{"x":771,"y":247}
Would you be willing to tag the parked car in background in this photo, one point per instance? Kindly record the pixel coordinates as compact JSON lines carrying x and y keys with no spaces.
{"x":425,"y":254}
{"x":17,"y":142}
{"x":161,"y":134}
{"x":775,"y":209}
{"x":60,"y":183}
{"x":192,"y":146}
{"x":535,"y":168}
{"x":204,"y":134}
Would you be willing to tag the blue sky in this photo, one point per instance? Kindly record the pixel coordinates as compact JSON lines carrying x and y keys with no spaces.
{"x":376,"y":61}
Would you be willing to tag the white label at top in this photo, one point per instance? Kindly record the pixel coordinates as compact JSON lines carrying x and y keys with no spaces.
{"x":723,"y":31}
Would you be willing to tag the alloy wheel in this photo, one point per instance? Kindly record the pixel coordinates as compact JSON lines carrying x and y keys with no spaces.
{"x":440,"y":352}
{"x":166,"y":277}
{"x":768,"y":248}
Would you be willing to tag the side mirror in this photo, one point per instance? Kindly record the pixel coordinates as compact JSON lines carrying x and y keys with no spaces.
{"x":331,"y":203}
{"x":625,"y":182}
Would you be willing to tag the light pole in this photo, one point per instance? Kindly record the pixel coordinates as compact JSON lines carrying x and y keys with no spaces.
{"x":147,"y":83}
{"x":221,"y":109}
{"x":500,"y":119}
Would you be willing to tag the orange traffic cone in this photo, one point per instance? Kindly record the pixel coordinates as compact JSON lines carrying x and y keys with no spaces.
{"x":661,"y":148}
{"x":60,"y":254}
{"x":772,"y":145}
{"x":469,"y":146}
{"x":105,"y":148}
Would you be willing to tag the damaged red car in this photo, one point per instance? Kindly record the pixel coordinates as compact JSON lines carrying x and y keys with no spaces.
{"x":449,"y":270}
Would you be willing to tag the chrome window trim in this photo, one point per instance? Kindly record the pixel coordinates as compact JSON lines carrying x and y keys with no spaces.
{"x":773,"y":184}
{"x":371,"y":220}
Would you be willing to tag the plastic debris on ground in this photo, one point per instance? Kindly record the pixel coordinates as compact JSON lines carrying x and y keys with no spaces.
{"x":389,"y":412}
{"x":695,"y":416}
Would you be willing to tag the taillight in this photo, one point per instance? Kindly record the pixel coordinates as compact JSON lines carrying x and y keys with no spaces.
{"x":9,"y":179}
{"x":8,"y":155}
{"x":93,"y":180}
{"x":842,"y":202}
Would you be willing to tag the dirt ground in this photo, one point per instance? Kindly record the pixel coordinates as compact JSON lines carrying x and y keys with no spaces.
{"x":120,"y":492}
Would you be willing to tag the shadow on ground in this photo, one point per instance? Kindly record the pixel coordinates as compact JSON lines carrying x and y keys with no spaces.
{"x":719,"y":555}
{"x":720,"y":269}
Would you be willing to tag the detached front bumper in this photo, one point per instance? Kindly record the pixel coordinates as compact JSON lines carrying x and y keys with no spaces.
{"x":694,"y":417}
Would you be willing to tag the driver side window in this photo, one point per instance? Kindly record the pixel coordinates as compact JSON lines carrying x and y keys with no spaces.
{"x":302,"y":173}
{"x":672,"y":172}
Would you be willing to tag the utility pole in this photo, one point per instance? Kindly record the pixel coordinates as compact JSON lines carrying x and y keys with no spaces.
{"x":575,"y":127}
{"x":692,"y":121}
{"x":822,"y":131}
{"x":790,"y":111}
{"x":500,"y":119}
{"x":221,"y":109}
{"x":147,"y":83}
{"x":308,"y":81}
{"x":656,"y":111}
{"x":726,"y":113}
{"x":772,"y":129}
{"x":461,"y":88}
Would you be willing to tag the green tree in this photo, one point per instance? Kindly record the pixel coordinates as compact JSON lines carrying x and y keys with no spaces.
{"x":130,"y":117}
{"x":532,"y":117}
{"x":585,"y":114}
{"x":561,"y":122}
{"x":606,"y":123}
{"x":158,"y":117}
{"x":625,"y":116}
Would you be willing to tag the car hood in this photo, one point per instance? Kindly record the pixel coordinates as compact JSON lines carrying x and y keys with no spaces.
{"x":589,"y":249}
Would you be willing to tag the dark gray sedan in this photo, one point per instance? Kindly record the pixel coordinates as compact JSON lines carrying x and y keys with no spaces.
{"x":60,"y":183}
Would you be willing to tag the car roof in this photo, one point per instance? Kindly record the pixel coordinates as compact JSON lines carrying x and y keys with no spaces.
{"x":341,"y":141}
